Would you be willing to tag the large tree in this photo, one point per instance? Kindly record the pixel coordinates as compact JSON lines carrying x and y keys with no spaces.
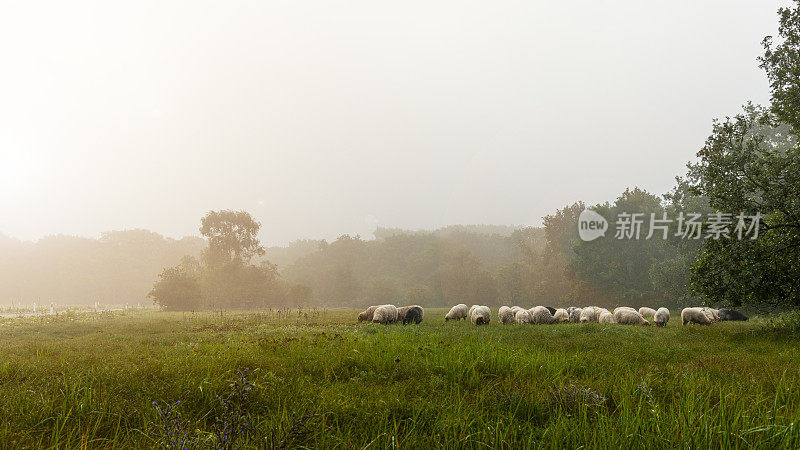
{"x":226,"y":277}
{"x":751,"y":164}
{"x":232,"y":236}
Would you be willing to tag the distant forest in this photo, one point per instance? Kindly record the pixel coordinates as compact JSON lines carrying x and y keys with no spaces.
{"x":119,"y":267}
{"x":490,"y":265}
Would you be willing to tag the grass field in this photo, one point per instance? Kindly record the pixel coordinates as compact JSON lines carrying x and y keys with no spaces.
{"x":323,"y":380}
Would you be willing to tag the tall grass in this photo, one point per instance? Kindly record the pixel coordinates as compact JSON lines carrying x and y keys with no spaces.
{"x":91,"y":380}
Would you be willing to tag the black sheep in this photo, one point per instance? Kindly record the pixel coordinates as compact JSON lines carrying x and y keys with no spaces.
{"x":726,"y":314}
{"x":413,"y":315}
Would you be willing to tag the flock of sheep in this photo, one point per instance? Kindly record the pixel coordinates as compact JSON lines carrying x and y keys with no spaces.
{"x":387,"y":314}
{"x":482,"y":315}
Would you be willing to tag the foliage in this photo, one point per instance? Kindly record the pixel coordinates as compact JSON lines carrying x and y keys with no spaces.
{"x":751,"y":165}
{"x":178,"y":288}
{"x":118,"y":267}
{"x":225,"y":277}
{"x":433,"y":268}
{"x":232,"y":237}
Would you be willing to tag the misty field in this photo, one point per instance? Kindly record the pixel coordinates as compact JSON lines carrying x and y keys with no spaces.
{"x":319,"y":379}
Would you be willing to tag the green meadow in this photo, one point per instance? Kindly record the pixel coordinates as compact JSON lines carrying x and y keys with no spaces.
{"x":319,"y":379}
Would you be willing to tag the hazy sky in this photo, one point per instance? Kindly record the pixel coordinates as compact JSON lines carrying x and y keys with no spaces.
{"x":329,"y":117}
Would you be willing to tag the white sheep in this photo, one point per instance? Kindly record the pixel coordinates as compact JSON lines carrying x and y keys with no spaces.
{"x":514,"y":309}
{"x":619,"y":308}
{"x":589,"y":314}
{"x":695,"y":315}
{"x":575,"y":315}
{"x":647,"y":312}
{"x":366,"y":315}
{"x":661,"y":317}
{"x":480,"y":315}
{"x":385,"y":314}
{"x":713,"y":314}
{"x":457,"y":312}
{"x":505,"y":314}
{"x":541,"y":315}
{"x":628,"y":317}
{"x":561,"y":315}
{"x":523,"y":316}
{"x":606,"y":317}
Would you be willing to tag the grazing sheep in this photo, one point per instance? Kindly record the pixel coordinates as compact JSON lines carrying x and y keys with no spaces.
{"x":575,"y":315}
{"x":606,"y":317}
{"x":726,"y":314}
{"x":385,"y":314}
{"x":552,"y":310}
{"x":401,"y":312}
{"x":561,"y":315}
{"x":514,"y":309}
{"x":404,"y":310}
{"x":627,"y":317}
{"x":589,"y":314}
{"x":480,"y":315}
{"x":647,"y":312}
{"x":457,"y":312}
{"x":523,"y":316}
{"x":694,"y":315}
{"x":366,"y":315}
{"x":601,"y":310}
{"x":505,"y":314}
{"x":570,"y":309}
{"x":619,"y":308}
{"x":541,"y":315}
{"x":412,"y":315}
{"x":713,"y":314}
{"x":661,"y":317}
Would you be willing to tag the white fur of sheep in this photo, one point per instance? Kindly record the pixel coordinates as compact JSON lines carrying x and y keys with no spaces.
{"x":575,"y":315}
{"x":457,"y":312}
{"x":561,"y":315}
{"x":713,"y":314}
{"x":541,"y":315}
{"x":627,"y":317}
{"x":589,"y":314}
{"x":523,"y":316}
{"x":661,"y":317}
{"x":619,"y":308}
{"x":366,"y":315}
{"x":385,"y":314}
{"x":695,"y":315}
{"x":480,"y":315}
{"x":606,"y":317}
{"x":647,"y":312}
{"x":505,"y":315}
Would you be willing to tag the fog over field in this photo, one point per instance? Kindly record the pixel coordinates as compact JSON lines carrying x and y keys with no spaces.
{"x":325,"y":118}
{"x":285,"y":224}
